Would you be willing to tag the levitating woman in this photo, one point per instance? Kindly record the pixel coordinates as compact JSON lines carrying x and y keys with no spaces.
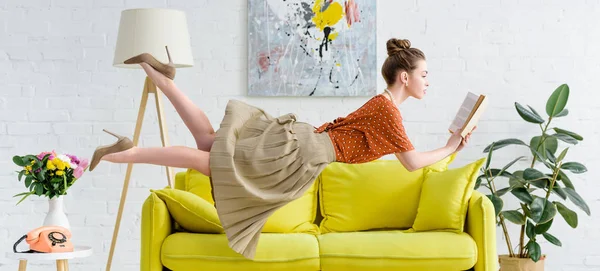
{"x":257,"y":163}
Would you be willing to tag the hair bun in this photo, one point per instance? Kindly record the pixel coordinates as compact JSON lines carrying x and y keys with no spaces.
{"x":394,"y":46}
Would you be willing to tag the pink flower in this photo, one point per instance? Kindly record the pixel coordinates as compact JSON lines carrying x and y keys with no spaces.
{"x":80,"y":168}
{"x":42,"y":154}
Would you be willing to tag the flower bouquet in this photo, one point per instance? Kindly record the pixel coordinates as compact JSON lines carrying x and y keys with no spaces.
{"x":48,"y":173}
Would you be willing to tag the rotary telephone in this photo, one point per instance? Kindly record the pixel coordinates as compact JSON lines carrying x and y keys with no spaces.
{"x":47,"y":239}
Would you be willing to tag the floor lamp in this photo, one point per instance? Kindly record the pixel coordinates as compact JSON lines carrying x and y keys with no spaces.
{"x":149,"y":30}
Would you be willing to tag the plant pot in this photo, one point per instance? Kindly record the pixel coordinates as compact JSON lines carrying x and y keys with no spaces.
{"x":520,"y":264}
{"x":56,"y":215}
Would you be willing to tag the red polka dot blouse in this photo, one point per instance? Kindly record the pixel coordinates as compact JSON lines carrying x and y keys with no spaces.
{"x":373,"y":130}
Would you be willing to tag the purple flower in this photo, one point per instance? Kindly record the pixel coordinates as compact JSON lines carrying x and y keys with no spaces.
{"x":74,"y":159}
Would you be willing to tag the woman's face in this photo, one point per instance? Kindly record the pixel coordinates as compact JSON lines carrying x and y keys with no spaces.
{"x":417,"y":82}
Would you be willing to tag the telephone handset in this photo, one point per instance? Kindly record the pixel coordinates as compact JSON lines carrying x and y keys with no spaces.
{"x":47,"y":239}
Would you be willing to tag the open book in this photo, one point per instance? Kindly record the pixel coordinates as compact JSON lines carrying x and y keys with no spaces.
{"x":469,"y":113}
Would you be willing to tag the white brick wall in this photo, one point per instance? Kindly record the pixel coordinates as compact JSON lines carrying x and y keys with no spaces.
{"x":58,"y":90}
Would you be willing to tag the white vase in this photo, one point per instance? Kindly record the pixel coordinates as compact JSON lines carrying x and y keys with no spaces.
{"x":56,"y":214}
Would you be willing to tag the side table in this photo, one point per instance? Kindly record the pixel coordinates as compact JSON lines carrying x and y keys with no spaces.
{"x":62,"y":259}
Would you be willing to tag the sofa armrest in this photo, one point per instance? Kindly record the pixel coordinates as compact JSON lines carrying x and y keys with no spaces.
{"x":156,"y":226}
{"x":481,"y":225}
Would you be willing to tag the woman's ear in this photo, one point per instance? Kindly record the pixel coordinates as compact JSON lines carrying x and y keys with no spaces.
{"x":403,"y":77}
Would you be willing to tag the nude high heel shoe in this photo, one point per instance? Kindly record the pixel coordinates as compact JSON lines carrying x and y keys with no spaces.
{"x":167,"y":69}
{"x":123,"y":143}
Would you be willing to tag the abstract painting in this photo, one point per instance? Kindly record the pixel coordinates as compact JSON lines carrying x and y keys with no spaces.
{"x":312,"y":47}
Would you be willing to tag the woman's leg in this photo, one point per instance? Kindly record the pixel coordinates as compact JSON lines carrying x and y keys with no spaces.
{"x":172,"y":156}
{"x":193,"y":117}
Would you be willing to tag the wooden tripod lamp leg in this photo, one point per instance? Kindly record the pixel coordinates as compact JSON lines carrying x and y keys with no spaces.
{"x":22,"y":265}
{"x":149,"y":87}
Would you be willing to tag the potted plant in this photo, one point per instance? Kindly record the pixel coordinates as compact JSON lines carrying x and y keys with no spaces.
{"x":533,"y":185}
{"x":50,"y":174}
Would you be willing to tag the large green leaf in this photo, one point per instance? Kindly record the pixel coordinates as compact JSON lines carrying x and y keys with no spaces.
{"x":558,"y":100}
{"x":28,"y":181}
{"x":497,"y":202}
{"x":559,"y":191}
{"x":576,"y":198}
{"x":549,"y":212}
{"x":541,"y":228}
{"x":569,"y":133}
{"x":528,"y":115}
{"x":542,"y":210}
{"x":514,"y":217}
{"x":574,"y":167}
{"x":537,"y":209}
{"x":534,"y":250}
{"x":552,"y":239}
{"x":568,"y":215}
{"x":530,"y":230}
{"x":503,"y":143}
{"x":562,"y":176}
{"x":19,"y":161}
{"x":522,"y":194}
{"x":39,"y":189}
{"x":565,"y":138}
{"x":533,"y":174}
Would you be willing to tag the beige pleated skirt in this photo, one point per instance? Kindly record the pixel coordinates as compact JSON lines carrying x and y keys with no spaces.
{"x":258,"y":164}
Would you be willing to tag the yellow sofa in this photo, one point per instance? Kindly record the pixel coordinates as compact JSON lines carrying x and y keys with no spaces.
{"x":355,"y":217}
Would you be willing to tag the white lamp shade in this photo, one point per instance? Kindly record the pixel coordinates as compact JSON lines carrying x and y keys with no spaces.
{"x":149,"y":30}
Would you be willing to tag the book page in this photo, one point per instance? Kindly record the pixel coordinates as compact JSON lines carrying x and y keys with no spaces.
{"x":476,"y":116}
{"x":464,"y":111}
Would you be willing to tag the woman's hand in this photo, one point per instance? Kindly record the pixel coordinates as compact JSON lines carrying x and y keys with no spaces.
{"x":464,"y":142}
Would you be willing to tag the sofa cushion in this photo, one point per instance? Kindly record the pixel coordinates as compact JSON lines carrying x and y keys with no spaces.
{"x":190,"y":211}
{"x":374,"y":195}
{"x":397,"y":250}
{"x":444,"y":198}
{"x":296,"y":216}
{"x":275,"y":251}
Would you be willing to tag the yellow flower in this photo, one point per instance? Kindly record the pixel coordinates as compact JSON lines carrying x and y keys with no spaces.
{"x":60,"y":172}
{"x":32,"y":162}
{"x":59,"y":163}
{"x":28,"y":168}
{"x":51,"y":174}
{"x":50,"y":165}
